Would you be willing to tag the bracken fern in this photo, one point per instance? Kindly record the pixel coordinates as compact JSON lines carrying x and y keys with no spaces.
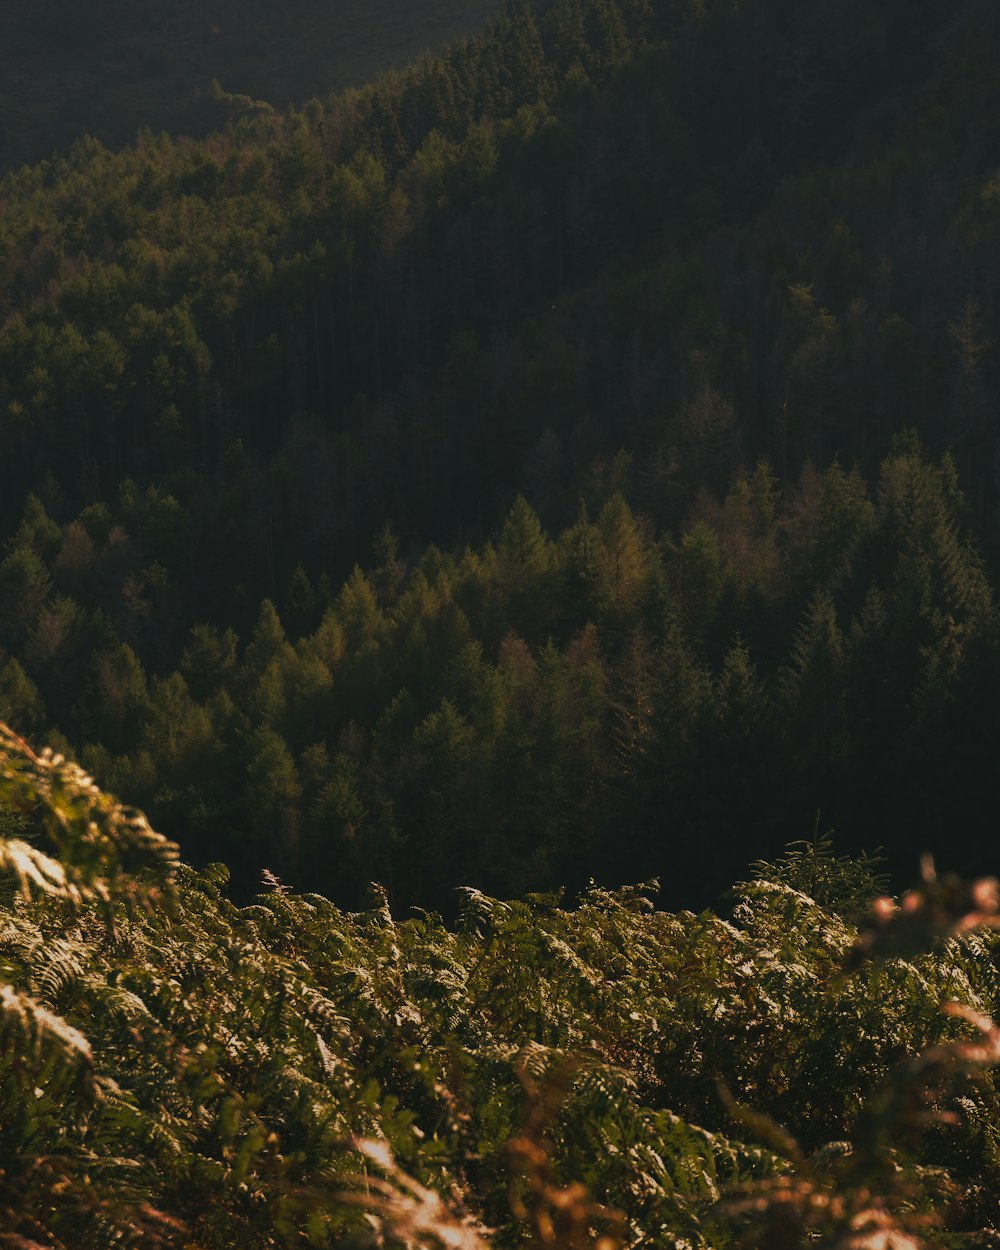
{"x":176,"y":1070}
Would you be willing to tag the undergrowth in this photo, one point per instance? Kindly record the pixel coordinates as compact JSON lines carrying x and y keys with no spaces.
{"x":178,"y":1071}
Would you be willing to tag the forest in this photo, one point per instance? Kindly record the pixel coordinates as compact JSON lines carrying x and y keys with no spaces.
{"x":562,"y":461}
{"x":616,"y":390}
{"x":110,"y":67}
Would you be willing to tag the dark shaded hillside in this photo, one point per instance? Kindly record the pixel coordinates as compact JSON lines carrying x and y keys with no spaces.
{"x":608,"y":702}
{"x":107,"y":68}
{"x":608,"y":228}
{"x":680,"y":276}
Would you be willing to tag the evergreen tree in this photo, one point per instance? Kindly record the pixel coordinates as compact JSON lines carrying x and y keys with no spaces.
{"x":525,"y":581}
{"x":623,"y":561}
{"x":814,"y":701}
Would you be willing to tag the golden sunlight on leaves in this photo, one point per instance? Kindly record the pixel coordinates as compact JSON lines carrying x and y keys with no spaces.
{"x":407,"y":1212}
{"x":103,"y":846}
{"x":560,"y":1216}
{"x":939,"y":907}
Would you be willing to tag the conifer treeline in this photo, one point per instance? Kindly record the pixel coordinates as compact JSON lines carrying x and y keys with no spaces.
{"x":698,"y":232}
{"x":109,"y":67}
{"x":543,"y":709}
{"x":617,"y":251}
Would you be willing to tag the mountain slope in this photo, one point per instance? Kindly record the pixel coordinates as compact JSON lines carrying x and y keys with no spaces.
{"x":109,"y":67}
{"x":671,"y":271}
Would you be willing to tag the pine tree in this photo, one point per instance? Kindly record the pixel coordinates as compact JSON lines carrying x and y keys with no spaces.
{"x":698,"y":575}
{"x":24,"y":586}
{"x":120,"y":698}
{"x":272,"y":797}
{"x":268,"y":643}
{"x":624,"y":561}
{"x":209,"y":660}
{"x":21,"y":703}
{"x":525,"y":582}
{"x":814,"y":712}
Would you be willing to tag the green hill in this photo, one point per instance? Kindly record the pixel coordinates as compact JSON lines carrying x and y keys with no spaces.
{"x":568,"y":460}
{"x":109,"y":68}
{"x":711,"y":287}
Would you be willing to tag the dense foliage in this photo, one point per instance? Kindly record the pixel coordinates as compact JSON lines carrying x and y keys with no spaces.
{"x":653,"y":266}
{"x":109,"y":67}
{"x":610,"y":702}
{"x":185,"y":1072}
{"x":566,"y":461}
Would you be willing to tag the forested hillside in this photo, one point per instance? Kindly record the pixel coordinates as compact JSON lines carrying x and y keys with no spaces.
{"x":640,"y":355}
{"x":611,"y":701}
{"x":564,"y":462}
{"x":109,"y":68}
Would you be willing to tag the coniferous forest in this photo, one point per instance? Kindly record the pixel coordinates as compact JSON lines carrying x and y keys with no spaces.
{"x":566,"y":460}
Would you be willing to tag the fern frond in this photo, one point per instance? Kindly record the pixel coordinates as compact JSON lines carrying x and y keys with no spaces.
{"x":36,"y":872}
{"x":54,"y":967}
{"x":42,"y":1051}
{"x":408,"y":1212}
{"x":477,"y":912}
{"x":101,"y":843}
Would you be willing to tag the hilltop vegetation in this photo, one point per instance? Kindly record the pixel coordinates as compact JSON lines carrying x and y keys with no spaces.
{"x":679,"y":276}
{"x":109,"y":68}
